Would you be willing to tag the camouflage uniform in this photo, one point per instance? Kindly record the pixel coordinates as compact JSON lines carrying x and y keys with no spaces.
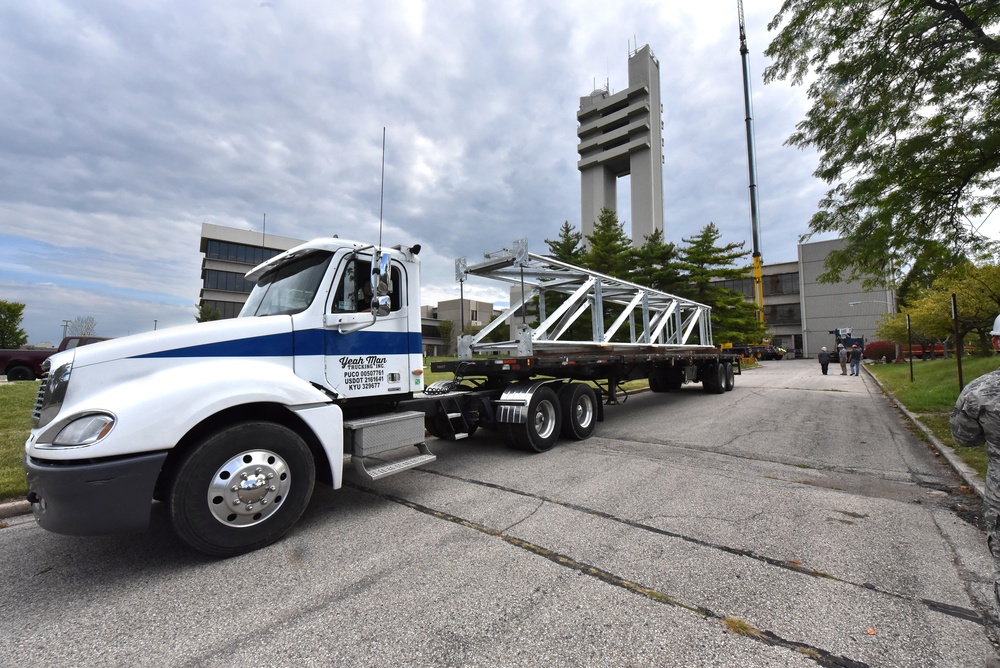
{"x":976,"y":420}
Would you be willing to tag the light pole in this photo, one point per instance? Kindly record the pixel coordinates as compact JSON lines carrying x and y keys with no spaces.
{"x":66,"y":324}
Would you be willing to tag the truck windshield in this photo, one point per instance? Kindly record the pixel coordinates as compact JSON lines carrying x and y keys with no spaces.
{"x":288,"y":289}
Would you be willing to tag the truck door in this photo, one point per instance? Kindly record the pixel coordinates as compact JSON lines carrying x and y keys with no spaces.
{"x":362,"y":357}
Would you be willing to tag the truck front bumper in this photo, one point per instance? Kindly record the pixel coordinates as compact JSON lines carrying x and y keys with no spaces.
{"x":93,"y":498}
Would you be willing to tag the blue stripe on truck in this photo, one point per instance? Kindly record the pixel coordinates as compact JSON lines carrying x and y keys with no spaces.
{"x":306,"y":342}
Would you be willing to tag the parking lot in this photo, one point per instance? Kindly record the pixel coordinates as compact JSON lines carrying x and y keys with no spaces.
{"x":795,"y":521}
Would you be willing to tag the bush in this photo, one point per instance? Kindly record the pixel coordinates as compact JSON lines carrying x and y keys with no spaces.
{"x":876,"y":350}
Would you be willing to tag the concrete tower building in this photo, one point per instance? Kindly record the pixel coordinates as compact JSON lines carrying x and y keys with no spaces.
{"x":622,"y":134}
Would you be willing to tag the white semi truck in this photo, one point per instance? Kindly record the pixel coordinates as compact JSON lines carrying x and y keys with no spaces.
{"x":230,"y":423}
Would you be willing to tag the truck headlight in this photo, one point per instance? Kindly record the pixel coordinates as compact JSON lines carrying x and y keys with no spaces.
{"x":51,"y":395}
{"x":85,"y":430}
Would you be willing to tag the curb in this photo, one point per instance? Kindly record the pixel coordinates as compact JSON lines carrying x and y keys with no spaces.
{"x":13,"y":509}
{"x":964,"y":471}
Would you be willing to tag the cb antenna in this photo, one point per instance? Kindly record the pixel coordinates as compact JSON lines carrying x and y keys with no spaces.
{"x":381,"y":193}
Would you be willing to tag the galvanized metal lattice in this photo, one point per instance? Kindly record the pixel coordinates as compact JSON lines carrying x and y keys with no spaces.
{"x":641,"y":316}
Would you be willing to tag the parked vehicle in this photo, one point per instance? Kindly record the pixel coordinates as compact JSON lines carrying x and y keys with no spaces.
{"x":230,"y":423}
{"x":760,"y":352}
{"x":26,"y":363}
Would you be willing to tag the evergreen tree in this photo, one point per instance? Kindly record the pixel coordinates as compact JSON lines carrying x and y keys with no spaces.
{"x":734,"y":319}
{"x":656,"y":264}
{"x":608,"y":247}
{"x":568,"y":246}
{"x":206,"y":314}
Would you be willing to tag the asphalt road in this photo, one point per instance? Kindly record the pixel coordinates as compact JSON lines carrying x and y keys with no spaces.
{"x":794,"y":521}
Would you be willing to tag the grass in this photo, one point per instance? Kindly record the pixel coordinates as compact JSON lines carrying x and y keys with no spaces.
{"x":16,"y":402}
{"x":932,"y":395}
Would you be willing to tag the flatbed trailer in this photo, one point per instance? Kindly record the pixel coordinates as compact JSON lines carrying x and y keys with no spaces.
{"x":538,"y":385}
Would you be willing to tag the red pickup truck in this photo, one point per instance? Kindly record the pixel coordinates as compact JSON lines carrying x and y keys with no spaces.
{"x":26,"y":363}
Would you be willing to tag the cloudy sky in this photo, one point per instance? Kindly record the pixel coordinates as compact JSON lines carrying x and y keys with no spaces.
{"x":126,"y":125}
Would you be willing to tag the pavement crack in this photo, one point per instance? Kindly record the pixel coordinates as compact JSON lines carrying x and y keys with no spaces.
{"x":820,"y":656}
{"x":969,"y":615}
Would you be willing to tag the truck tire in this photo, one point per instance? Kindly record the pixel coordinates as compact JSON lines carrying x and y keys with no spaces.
{"x":579,"y":410}
{"x":20,"y":373}
{"x":669,"y":380}
{"x":730,"y":377}
{"x":714,"y":381}
{"x":241,"y":488}
{"x":542,"y":424}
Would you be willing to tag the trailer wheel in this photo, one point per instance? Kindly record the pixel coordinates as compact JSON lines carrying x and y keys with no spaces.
{"x":241,"y":488}
{"x":20,"y":373}
{"x":730,"y":377}
{"x":542,"y":424}
{"x":714,"y":381}
{"x":579,"y":410}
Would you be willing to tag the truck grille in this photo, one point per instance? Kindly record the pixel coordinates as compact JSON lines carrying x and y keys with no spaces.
{"x":43,"y":387}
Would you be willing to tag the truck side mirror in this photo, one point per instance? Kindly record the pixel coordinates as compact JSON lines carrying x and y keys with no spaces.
{"x":380,"y":275}
{"x":381,"y":306}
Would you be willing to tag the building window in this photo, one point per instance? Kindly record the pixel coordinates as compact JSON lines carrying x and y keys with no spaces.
{"x":783,"y":314}
{"x":227,"y":280}
{"x":782,"y":284}
{"x":225,"y":250}
{"x":226,"y":309}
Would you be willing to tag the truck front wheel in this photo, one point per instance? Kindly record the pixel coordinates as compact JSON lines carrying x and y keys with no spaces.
{"x":241,"y":488}
{"x":20,"y":373}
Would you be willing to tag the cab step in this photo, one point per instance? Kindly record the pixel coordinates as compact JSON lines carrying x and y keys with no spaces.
{"x":377,"y":434}
{"x":385,"y":469}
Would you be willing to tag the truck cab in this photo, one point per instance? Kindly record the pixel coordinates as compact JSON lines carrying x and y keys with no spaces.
{"x":231,"y":422}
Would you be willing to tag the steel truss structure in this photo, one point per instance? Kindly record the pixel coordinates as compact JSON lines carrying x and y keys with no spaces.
{"x":655,"y":319}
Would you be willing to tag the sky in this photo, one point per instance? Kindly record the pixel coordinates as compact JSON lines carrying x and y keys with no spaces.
{"x":126,"y":125}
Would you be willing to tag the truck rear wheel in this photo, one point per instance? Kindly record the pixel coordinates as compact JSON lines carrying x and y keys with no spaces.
{"x":20,"y":373}
{"x":542,"y":424}
{"x":579,"y":410}
{"x":730,"y":377}
{"x":241,"y":488}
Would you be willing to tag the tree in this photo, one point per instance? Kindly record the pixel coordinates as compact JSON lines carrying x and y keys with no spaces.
{"x":906,"y":120}
{"x":568,"y":245}
{"x":446,"y":330}
{"x":734,"y":319}
{"x":608,"y":247}
{"x":977,"y":291}
{"x":206,"y":313}
{"x":11,"y":334}
{"x":656,"y":264}
{"x":82,"y":326}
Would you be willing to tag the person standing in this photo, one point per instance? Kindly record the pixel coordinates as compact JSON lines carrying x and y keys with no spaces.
{"x":842,"y":358}
{"x":975,"y":420}
{"x":824,"y":359}
{"x":855,"y":360}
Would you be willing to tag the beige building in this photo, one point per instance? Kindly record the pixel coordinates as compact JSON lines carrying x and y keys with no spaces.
{"x":229,"y":253}
{"x":802,"y":313}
